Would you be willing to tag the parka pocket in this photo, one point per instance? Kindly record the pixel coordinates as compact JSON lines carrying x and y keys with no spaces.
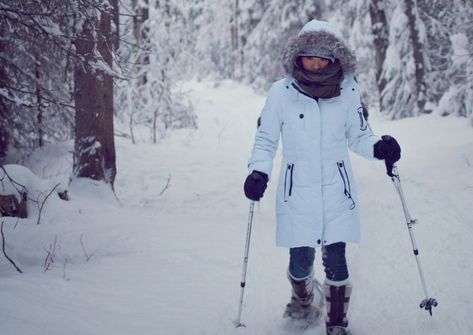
{"x":346,"y":182}
{"x":288,"y":181}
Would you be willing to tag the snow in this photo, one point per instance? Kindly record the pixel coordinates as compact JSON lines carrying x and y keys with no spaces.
{"x":166,"y":252}
{"x":459,"y":45}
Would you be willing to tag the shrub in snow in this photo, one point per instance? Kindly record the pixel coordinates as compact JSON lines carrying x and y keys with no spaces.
{"x":22,"y":192}
{"x":9,"y":206}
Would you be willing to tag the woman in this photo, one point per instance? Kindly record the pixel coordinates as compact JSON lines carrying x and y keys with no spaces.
{"x":317,"y":112}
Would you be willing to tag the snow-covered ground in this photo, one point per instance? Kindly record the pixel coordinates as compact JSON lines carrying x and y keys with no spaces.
{"x":167,"y":260}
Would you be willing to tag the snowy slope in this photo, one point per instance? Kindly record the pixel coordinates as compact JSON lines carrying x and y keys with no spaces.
{"x":168,"y":260}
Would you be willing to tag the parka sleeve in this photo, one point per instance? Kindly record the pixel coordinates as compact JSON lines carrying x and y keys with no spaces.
{"x":267,"y":136}
{"x":358,"y":132}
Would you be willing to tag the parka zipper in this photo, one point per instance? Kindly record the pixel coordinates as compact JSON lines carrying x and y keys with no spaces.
{"x":288,"y":184}
{"x":346,"y":182}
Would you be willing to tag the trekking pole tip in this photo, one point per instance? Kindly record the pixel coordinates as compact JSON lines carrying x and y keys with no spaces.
{"x":238,"y":324}
{"x":427,"y":304}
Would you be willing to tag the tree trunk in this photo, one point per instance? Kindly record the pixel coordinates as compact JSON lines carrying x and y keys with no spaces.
{"x":380,"y":30}
{"x":94,"y":155}
{"x":39,"y":117}
{"x":116,"y":24}
{"x":418,"y":53}
{"x":4,"y":82}
{"x":141,"y":34}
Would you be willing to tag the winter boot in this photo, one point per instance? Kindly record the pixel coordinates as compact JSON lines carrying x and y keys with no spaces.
{"x":337,"y":296}
{"x":306,"y":298}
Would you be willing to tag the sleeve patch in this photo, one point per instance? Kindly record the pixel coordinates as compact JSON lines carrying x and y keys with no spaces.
{"x":363,"y":115}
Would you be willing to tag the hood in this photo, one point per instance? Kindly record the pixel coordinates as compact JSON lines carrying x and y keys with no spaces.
{"x":318,"y":35}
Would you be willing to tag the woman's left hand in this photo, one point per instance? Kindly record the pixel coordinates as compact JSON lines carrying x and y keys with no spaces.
{"x":389,"y":150}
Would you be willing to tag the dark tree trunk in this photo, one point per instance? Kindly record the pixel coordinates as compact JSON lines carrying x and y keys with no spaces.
{"x":39,"y":102}
{"x":3,"y":131}
{"x":141,"y":34}
{"x":380,"y":30}
{"x":4,"y":82}
{"x":116,"y":24}
{"x":94,"y":143}
{"x":418,"y":53}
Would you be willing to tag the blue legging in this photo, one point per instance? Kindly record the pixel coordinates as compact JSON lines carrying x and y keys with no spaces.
{"x":301,"y":261}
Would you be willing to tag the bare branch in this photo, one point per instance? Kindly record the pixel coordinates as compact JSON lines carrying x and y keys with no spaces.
{"x":51,"y":254}
{"x":168,"y":184}
{"x":87,"y":256}
{"x":42,"y":204}
{"x":4,"y":251}
{"x":21,"y":12}
{"x":64,"y":270}
{"x":16,"y":223}
{"x":12,"y":181}
{"x":33,"y":105}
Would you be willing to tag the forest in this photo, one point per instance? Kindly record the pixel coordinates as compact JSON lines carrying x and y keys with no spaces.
{"x":93,"y":70}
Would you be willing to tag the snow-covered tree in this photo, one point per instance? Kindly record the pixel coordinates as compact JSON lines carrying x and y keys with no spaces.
{"x":450,"y":40}
{"x":251,"y":12}
{"x":404,"y":93}
{"x":35,"y":58}
{"x":281,"y":20}
{"x":417,"y":39}
{"x":413,"y":56}
{"x":423,"y":66}
{"x":379,"y":29}
{"x":212,"y":38}
{"x":94,"y":149}
{"x":458,"y":98}
{"x":439,"y":17}
{"x":56,"y":60}
{"x":352,"y":20}
{"x":159,"y":48}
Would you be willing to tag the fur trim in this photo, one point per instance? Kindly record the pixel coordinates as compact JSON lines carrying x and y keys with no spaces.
{"x":322,"y":40}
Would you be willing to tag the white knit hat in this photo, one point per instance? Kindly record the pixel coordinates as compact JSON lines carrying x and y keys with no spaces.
{"x":316,"y":25}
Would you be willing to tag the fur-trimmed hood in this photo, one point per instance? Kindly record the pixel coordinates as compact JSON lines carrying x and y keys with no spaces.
{"x":318,"y":34}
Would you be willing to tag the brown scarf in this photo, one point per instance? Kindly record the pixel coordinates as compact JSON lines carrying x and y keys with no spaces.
{"x":324,"y":83}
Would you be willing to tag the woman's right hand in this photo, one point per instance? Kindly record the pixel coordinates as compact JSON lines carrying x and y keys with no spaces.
{"x":255,"y":185}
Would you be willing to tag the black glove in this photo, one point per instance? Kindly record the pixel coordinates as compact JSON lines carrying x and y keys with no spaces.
{"x":255,"y":185}
{"x":389,"y":150}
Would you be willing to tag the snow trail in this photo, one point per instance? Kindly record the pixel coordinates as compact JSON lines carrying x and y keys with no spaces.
{"x":168,"y":261}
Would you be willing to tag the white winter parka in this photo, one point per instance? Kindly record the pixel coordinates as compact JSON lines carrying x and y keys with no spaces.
{"x":316,"y":202}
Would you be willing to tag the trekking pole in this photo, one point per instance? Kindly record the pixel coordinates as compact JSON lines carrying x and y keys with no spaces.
{"x":427,"y":303}
{"x":245,"y":264}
